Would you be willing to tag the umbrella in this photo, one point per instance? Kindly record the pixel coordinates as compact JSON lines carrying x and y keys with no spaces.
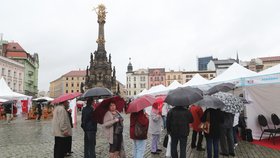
{"x":40,"y":100}
{"x":183,"y":96}
{"x":140,"y":103}
{"x":65,"y":97}
{"x":8,"y":103}
{"x":223,"y":87}
{"x":211,"y":102}
{"x":97,"y":92}
{"x":233,"y":104}
{"x":103,"y":107}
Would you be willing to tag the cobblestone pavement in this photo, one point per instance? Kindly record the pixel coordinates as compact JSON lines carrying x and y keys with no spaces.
{"x":31,"y":139}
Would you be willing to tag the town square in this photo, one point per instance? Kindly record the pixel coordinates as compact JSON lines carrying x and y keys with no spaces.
{"x":139,"y":79}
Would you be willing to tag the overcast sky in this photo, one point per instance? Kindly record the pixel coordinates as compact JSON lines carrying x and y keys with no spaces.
{"x":154,"y":33}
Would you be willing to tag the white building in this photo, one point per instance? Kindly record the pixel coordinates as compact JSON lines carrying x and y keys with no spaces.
{"x":136,"y":81}
{"x":13,"y":73}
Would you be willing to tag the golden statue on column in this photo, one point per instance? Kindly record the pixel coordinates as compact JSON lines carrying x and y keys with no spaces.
{"x":101,"y":12}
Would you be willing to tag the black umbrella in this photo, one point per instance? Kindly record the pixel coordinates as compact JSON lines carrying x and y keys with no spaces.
{"x":211,"y":102}
{"x":183,"y":96}
{"x":223,"y":87}
{"x":40,"y":100}
{"x":8,"y":104}
{"x":97,"y":92}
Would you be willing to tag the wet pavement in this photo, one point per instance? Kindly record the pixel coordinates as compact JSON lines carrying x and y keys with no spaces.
{"x":31,"y":139}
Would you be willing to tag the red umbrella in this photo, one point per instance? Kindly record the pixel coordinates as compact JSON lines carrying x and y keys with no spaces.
{"x":65,"y":97}
{"x":103,"y":107}
{"x":140,"y":103}
{"x":159,"y":101}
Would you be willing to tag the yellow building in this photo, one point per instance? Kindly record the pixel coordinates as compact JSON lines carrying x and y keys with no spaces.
{"x":172,"y":76}
{"x":67,"y":83}
{"x":188,"y":75}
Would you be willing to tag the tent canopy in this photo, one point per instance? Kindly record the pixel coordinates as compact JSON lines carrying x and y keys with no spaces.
{"x":175,"y":84}
{"x":157,"y":90}
{"x":197,"y":79}
{"x":271,"y":70}
{"x":235,"y":71}
{"x":7,"y":93}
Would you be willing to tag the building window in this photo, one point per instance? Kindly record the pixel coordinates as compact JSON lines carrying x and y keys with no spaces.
{"x":179,"y":77}
{"x":3,"y":71}
{"x":66,"y":91}
{"x":134,"y":78}
{"x":134,"y":85}
{"x":66,"y":78}
{"x":168,"y":77}
{"x":168,"y":83}
{"x":15,"y":74}
{"x":161,"y":78}
{"x":129,"y":92}
{"x":152,"y":85}
{"x":72,"y":91}
{"x":66,"y":84}
{"x":19,"y":75}
{"x":151,"y":78}
{"x":134,"y":92}
{"x":72,"y":78}
{"x":77,"y":90}
{"x":9,"y":72}
{"x":72,"y":85}
{"x":174,"y":77}
{"x":83,"y":78}
{"x":78,"y":84}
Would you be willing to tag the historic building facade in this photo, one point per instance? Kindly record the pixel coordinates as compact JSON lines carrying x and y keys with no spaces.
{"x":68,"y":83}
{"x":100,"y":72}
{"x":172,"y":75}
{"x":14,"y":51}
{"x":13,"y":73}
{"x":156,"y":77}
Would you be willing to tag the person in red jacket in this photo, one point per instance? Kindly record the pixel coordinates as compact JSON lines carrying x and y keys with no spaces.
{"x":141,"y":119}
{"x":197,"y":113}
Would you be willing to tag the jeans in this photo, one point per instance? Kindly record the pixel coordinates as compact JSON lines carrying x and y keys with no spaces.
{"x":200,"y":138}
{"x":235,"y":132}
{"x":226,"y":141}
{"x":59,"y":147}
{"x":215,"y":143}
{"x":155,"y":140}
{"x":139,"y":148}
{"x":164,"y":121}
{"x":183,"y":145}
{"x":89,"y":144}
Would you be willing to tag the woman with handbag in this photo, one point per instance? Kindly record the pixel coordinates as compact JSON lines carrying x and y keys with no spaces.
{"x":212,"y":120}
{"x":113,"y":129}
{"x":139,"y":124}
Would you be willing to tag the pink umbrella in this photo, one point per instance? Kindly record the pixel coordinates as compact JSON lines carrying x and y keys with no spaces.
{"x":140,"y":103}
{"x":65,"y":97}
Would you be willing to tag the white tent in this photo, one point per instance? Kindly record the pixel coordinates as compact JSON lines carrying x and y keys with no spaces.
{"x":3,"y":100}
{"x":175,"y":84}
{"x":144,"y":91}
{"x":263,"y":99}
{"x":271,"y":70}
{"x":233,"y":74}
{"x":157,"y":90}
{"x":41,"y":98}
{"x":196,"y":80}
{"x":7,"y":93}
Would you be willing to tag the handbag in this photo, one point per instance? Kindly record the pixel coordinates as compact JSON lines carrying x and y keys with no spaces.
{"x":140,"y":130}
{"x":205,"y":126}
{"x":165,"y":141}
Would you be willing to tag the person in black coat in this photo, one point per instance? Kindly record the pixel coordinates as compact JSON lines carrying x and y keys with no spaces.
{"x":89,"y":126}
{"x":177,"y":124}
{"x":216,"y":118}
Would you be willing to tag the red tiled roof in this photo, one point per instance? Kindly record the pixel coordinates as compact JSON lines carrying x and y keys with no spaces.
{"x":14,"y":47}
{"x":77,"y":73}
{"x":16,"y":54}
{"x":273,"y":58}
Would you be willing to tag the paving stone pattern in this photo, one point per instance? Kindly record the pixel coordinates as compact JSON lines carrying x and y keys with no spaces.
{"x":31,"y":139}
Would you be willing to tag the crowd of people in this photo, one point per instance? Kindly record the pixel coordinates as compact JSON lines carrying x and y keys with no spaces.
{"x":177,"y":121}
